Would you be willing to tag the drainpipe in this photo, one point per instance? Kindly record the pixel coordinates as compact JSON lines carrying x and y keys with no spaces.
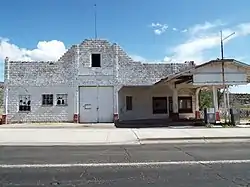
{"x":116,"y":90}
{"x":76,"y":100}
{"x":6,"y":88}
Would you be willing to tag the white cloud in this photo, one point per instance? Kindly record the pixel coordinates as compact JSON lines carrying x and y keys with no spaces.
{"x":138,"y":58}
{"x":45,"y":51}
{"x":184,"y":30}
{"x":204,"y":27}
{"x":175,"y":29}
{"x":202,"y":38}
{"x":243,"y":29}
{"x":159,"y":28}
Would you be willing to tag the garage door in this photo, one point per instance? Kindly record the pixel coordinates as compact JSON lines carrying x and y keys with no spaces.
{"x":96,"y":104}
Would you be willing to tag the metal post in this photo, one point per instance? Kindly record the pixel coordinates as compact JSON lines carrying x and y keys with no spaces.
{"x":117,"y":76}
{"x":228,"y":103}
{"x":95,"y":22}
{"x":223,"y":72}
{"x":221,"y":46}
{"x":6,"y":88}
{"x":76,"y":85}
{"x":223,"y":75}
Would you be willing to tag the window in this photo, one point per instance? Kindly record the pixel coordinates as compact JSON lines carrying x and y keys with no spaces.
{"x":129,"y":103}
{"x":47,"y":99}
{"x":159,"y":105}
{"x":185,"y":104}
{"x":96,"y":60}
{"x":61,"y":99}
{"x":24,"y":103}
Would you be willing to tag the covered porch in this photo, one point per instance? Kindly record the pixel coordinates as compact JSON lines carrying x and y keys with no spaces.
{"x":157,"y":102}
{"x":176,"y":98}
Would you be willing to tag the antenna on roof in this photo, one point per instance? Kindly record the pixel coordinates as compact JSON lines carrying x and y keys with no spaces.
{"x":95,"y":22}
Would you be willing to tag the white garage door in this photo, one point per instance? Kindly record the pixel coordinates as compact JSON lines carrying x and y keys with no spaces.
{"x":96,"y":104}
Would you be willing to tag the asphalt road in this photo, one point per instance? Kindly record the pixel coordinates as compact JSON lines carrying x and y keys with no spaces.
{"x":171,"y":165}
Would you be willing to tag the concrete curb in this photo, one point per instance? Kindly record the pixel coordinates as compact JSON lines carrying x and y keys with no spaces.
{"x":57,"y":127}
{"x":48,"y":144}
{"x":198,"y":138}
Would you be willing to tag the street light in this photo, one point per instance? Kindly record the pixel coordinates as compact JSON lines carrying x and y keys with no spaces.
{"x":221,"y":43}
{"x":223,"y":71}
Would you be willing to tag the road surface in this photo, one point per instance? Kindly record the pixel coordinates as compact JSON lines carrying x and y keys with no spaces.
{"x":225,"y":164}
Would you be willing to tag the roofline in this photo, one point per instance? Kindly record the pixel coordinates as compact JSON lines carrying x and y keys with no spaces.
{"x":173,"y":76}
{"x":223,"y":60}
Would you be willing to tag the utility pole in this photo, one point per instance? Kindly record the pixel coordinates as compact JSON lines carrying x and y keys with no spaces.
{"x":95,"y":21}
{"x":223,"y":72}
{"x":6,"y":84}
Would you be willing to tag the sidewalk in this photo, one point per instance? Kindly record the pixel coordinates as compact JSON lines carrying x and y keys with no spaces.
{"x":57,"y":125}
{"x":114,"y":136}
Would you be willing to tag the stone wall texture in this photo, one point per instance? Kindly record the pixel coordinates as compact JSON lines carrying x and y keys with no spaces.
{"x":72,"y":70}
{"x":239,"y":100}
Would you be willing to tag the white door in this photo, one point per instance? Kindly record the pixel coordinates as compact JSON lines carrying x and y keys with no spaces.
{"x":88,"y":104}
{"x":105,"y":103}
{"x":96,"y":104}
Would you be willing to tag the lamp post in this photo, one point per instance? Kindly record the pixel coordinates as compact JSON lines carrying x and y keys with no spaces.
{"x":223,"y":71}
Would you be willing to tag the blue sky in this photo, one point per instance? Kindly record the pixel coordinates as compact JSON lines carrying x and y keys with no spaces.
{"x":150,"y":31}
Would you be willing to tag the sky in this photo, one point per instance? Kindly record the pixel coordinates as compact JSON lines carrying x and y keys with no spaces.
{"x":157,"y":31}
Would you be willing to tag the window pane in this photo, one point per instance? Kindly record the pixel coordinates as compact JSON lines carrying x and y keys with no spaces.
{"x":24,"y":103}
{"x":185,"y":104}
{"x":47,"y":99}
{"x":189,"y":104}
{"x":159,"y":105}
{"x":61,"y":99}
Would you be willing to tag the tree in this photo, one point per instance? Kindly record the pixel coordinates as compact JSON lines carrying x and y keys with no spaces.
{"x":206,"y":99}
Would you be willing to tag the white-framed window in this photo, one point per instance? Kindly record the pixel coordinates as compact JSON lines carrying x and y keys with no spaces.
{"x":61,"y":99}
{"x":24,"y":103}
{"x":47,"y":99}
{"x":96,"y":59}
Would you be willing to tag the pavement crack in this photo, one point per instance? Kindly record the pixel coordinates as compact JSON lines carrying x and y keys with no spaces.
{"x":233,"y":181}
{"x":186,"y":153}
{"x":127,"y":154}
{"x":213,"y":170}
{"x":107,"y":138}
{"x":137,"y":137}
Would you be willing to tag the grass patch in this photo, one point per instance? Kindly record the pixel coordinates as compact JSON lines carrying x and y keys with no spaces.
{"x":227,"y":125}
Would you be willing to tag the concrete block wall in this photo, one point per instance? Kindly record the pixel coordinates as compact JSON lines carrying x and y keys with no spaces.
{"x":71,"y":71}
{"x":239,"y":100}
{"x":92,"y":76}
{"x":40,"y":113}
{"x":37,"y":78}
{"x":137,"y":73}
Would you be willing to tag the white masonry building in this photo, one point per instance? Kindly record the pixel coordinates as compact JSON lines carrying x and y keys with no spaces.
{"x":95,"y":81}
